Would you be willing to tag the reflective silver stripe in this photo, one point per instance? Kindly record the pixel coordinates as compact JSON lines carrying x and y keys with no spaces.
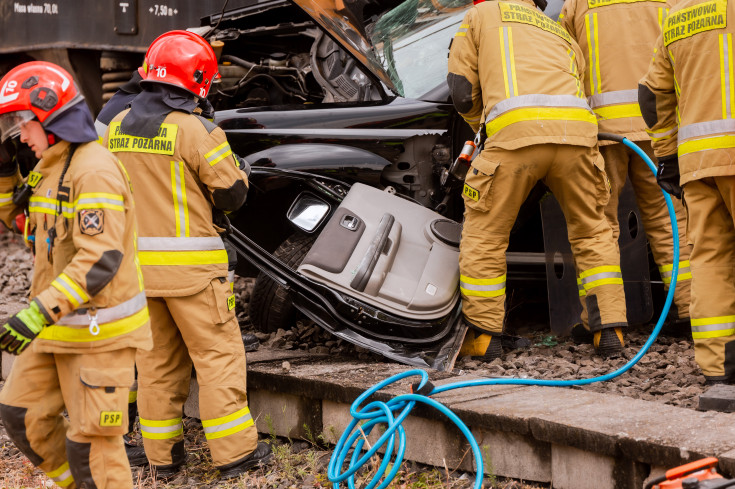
{"x":99,"y":200}
{"x":178,"y":176}
{"x":61,"y":478}
{"x":612,"y":98}
{"x":218,"y":154}
{"x":161,"y":429}
{"x":712,"y":327}
{"x":601,"y":275}
{"x":105,"y":314}
{"x":508,"y":61}
{"x":6,"y":199}
{"x":181,"y":244}
{"x":230,"y":424}
{"x":536,"y":100}
{"x":662,"y":135}
{"x":476,"y":287}
{"x":699,"y":129}
{"x":100,"y":127}
{"x":682,"y":271}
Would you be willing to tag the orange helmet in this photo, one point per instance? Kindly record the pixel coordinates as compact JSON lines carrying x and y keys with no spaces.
{"x":36,"y":89}
{"x":183,"y":59}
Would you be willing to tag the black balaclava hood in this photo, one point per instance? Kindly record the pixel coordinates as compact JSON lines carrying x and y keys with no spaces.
{"x":74,"y":124}
{"x":122,"y":98}
{"x":151,"y":106}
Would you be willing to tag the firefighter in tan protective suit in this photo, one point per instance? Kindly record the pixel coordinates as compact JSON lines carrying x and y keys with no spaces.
{"x":88,"y":313}
{"x":182,"y":170}
{"x":516,"y":70}
{"x":687,"y":101}
{"x":617,"y":37}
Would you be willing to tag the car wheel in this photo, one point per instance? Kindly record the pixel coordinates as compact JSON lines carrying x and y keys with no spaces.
{"x":270,"y":306}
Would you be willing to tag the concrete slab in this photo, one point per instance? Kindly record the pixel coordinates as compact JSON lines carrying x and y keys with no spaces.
{"x":719,"y":397}
{"x":572,"y":468}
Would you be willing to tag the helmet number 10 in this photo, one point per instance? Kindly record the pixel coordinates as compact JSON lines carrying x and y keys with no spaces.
{"x":161,"y":71}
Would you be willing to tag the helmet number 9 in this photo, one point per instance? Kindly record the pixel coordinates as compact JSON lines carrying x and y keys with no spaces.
{"x":161,"y":71}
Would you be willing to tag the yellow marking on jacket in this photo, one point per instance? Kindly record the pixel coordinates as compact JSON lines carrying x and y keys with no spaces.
{"x":694,"y":20}
{"x":162,"y":144}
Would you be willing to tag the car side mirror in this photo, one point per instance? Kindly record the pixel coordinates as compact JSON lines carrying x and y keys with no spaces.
{"x":308,"y":212}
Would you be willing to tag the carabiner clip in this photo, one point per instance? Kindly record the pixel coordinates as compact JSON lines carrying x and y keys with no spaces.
{"x":94,"y":328}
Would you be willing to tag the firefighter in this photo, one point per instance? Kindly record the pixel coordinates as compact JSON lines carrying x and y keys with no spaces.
{"x":687,"y":102}
{"x":120,"y":101}
{"x":182,"y":168}
{"x":613,"y":36}
{"x":88,"y":312}
{"x":517,"y":72}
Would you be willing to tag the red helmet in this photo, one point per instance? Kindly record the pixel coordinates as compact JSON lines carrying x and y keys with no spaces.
{"x":36,"y":89}
{"x":183,"y":59}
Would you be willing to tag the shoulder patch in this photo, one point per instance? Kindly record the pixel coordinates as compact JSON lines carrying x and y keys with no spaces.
{"x":91,"y":221}
{"x":209,"y":125}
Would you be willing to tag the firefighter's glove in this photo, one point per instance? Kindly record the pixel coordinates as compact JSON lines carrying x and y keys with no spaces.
{"x":8,"y":163}
{"x":242,"y":164}
{"x":21,"y":329}
{"x":668,"y":175}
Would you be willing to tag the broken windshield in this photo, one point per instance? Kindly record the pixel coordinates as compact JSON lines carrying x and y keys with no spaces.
{"x":411,"y":42}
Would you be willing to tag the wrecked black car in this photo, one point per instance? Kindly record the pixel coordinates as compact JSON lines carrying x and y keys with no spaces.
{"x":322,"y":96}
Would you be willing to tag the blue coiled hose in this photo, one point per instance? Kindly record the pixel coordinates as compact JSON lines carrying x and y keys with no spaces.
{"x":392,"y":413}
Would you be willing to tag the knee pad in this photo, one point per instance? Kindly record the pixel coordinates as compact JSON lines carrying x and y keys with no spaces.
{"x":14,"y":419}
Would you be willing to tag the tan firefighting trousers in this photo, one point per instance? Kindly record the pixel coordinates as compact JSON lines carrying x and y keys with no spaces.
{"x":622,"y":162}
{"x":202,"y":329}
{"x":87,"y":450}
{"x":710,"y":205}
{"x":496,"y":186}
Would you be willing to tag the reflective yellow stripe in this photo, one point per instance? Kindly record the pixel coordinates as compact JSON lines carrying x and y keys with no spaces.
{"x":61,"y":476}
{"x":714,"y":327}
{"x":6,"y":199}
{"x":132,"y":396}
{"x":181,"y":209}
{"x":162,"y":258}
{"x":716,"y":142}
{"x":99,"y":200}
{"x":580,"y":288}
{"x":662,"y":134}
{"x":45,"y":205}
{"x":540,"y":113}
{"x":218,"y":154}
{"x":604,"y":275}
{"x":618,"y":111}
{"x":514,"y":79}
{"x":70,"y":289}
{"x":482,"y":281}
{"x":161,"y":429}
{"x":590,"y":23}
{"x":227,"y":425}
{"x":501,"y":32}
{"x":482,"y":287}
{"x":107,"y":330}
{"x":596,"y":270}
{"x":670,"y":267}
{"x":462,"y":32}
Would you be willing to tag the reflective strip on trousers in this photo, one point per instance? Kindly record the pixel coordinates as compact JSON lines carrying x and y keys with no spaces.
{"x":61,"y":476}
{"x":218,"y":154}
{"x":227,"y":425}
{"x":667,"y":271}
{"x":208,"y":250}
{"x":580,"y":288}
{"x":181,"y":209}
{"x":81,"y":334}
{"x":605,"y":275}
{"x":106,"y":314}
{"x":482,"y":287}
{"x":161,"y":429}
{"x":726,"y":75}
{"x":508,"y":59}
{"x":70,"y":289}
{"x":590,"y":25}
{"x":714,"y":327}
{"x":6,"y":199}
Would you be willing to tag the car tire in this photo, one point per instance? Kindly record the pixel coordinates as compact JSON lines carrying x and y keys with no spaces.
{"x":270,"y":306}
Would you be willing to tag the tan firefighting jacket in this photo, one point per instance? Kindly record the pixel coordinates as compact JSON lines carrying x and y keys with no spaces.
{"x":693,"y":64}
{"x":178,"y":177}
{"x":89,"y":283}
{"x":521,"y":71}
{"x":617,"y":39}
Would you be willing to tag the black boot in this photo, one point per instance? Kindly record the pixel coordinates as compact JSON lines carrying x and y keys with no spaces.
{"x":136,"y":453}
{"x":259,"y":457}
{"x":609,"y":342}
{"x":250,"y":341}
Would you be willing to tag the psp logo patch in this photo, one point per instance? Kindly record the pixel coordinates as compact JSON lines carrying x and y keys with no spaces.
{"x":91,"y":221}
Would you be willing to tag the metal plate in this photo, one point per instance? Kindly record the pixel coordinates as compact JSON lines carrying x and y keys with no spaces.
{"x":564,"y":305}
